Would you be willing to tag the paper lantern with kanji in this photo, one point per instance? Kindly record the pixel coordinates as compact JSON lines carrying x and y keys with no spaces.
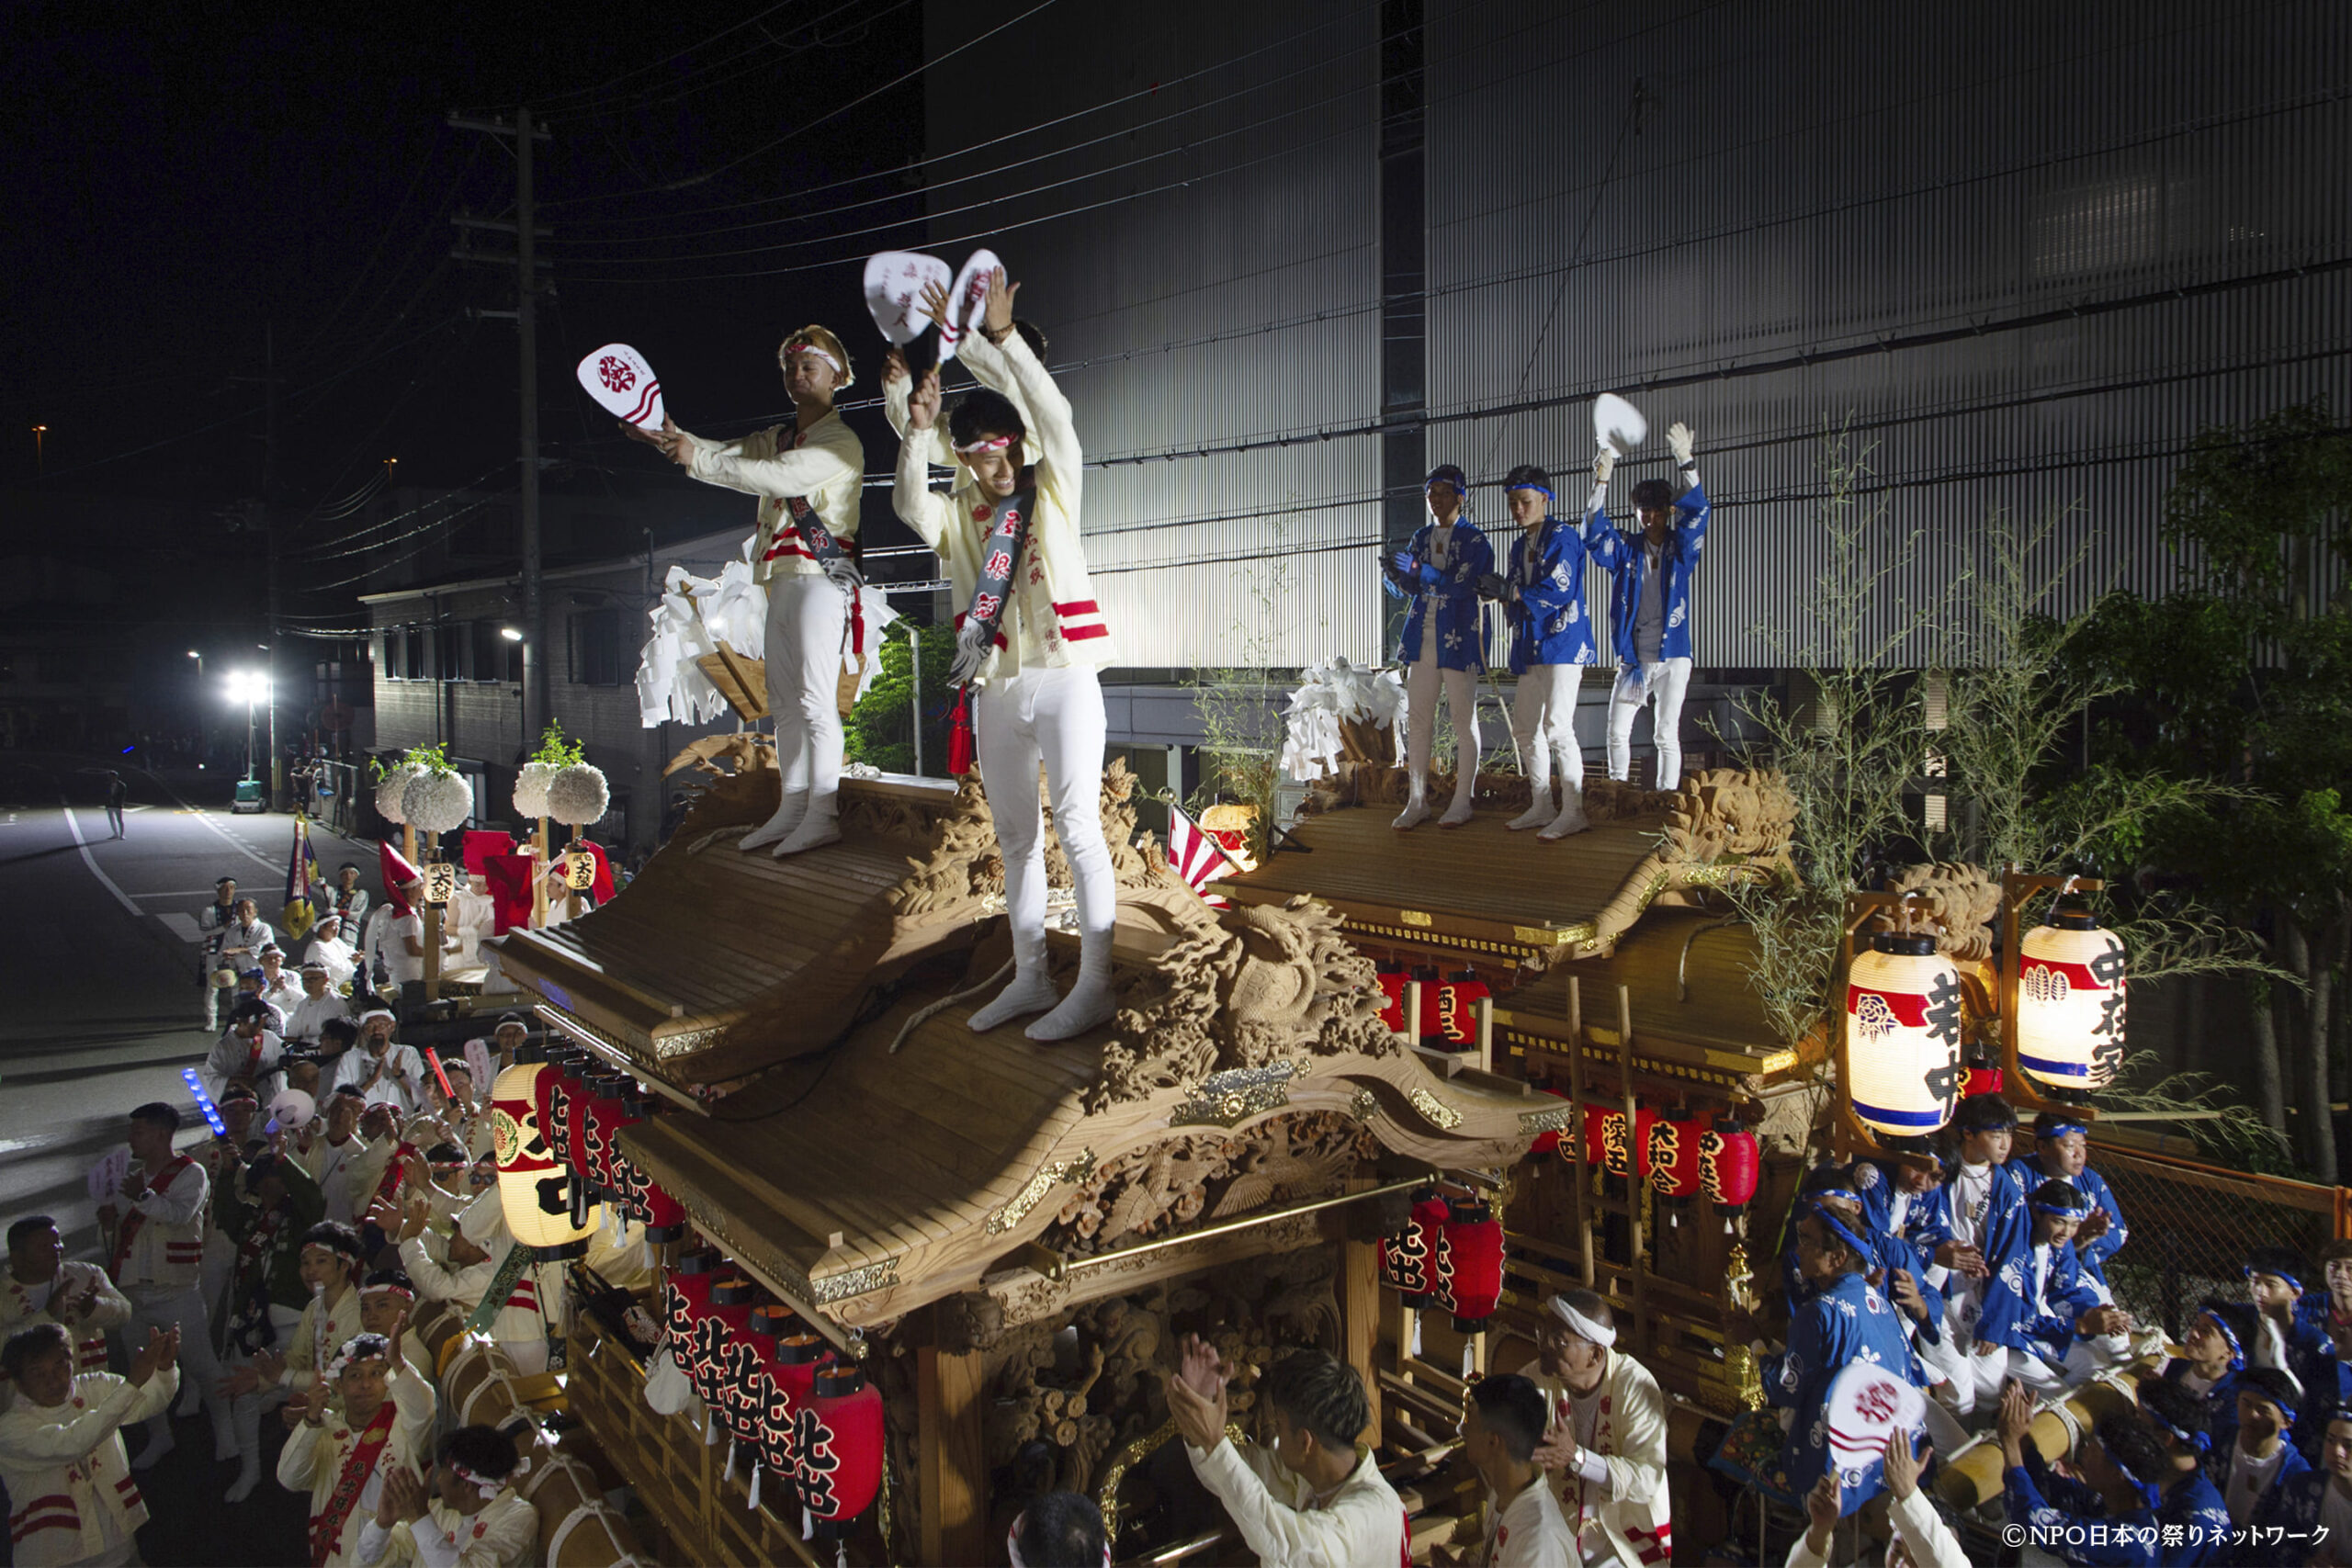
{"x":601,"y":1120}
{"x":1470,"y":1264}
{"x":792,"y":1369}
{"x":1729,"y":1165}
{"x":1623,"y":1152}
{"x":840,"y":1435}
{"x":740,"y":1376}
{"x":2070,"y":1003}
{"x":1902,"y":1060}
{"x":1408,"y":1259}
{"x":685,"y":1302}
{"x":640,"y":1196}
{"x":1431,"y":1031}
{"x":733,"y":1296}
{"x":1457,"y":1008}
{"x":1392,"y":994}
{"x":1674,"y":1157}
{"x":532,"y":1189}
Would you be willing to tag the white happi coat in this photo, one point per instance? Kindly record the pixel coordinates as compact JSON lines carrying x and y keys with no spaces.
{"x":70,"y":1493}
{"x":1630,"y":1509}
{"x":1363,"y":1525}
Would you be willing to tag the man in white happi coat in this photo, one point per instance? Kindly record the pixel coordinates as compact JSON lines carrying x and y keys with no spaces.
{"x":72,"y":1501}
{"x":319,"y":1003}
{"x":809,"y":476}
{"x":383,"y":1070}
{"x":1030,"y":640}
{"x":331,"y":945}
{"x":1317,"y":1499}
{"x":1606,"y":1449}
{"x":367,"y":1416}
{"x":43,"y":1286}
{"x":157,"y":1222}
{"x":467,"y":1516}
{"x":1506,"y":1419}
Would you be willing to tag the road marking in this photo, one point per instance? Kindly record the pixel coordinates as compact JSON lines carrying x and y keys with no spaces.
{"x":182,"y":926}
{"x":92,"y":862}
{"x":184,"y":893}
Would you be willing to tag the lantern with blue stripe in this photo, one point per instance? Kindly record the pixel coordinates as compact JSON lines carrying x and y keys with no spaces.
{"x":1903,"y":1028}
{"x":2070,"y":1003}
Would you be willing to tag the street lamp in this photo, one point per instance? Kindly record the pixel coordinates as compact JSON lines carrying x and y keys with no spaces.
{"x":512,"y":634}
{"x":40,"y":465}
{"x":248,"y":686}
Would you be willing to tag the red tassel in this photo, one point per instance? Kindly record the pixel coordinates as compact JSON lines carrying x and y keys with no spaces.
{"x":963,"y":746}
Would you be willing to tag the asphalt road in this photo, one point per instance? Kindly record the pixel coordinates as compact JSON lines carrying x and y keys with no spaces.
{"x":98,"y":967}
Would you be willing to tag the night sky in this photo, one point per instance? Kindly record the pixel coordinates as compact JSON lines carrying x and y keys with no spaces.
{"x":188,"y":180}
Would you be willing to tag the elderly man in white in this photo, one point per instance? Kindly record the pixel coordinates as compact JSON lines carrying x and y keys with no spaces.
{"x":1606,"y":1449}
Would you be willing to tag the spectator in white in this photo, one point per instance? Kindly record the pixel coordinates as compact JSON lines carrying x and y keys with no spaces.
{"x":248,"y":1053}
{"x":1506,"y":1419}
{"x":215,"y":919}
{"x":60,"y":1447}
{"x":279,"y":989}
{"x":43,"y":1286}
{"x":339,"y":1160}
{"x":328,"y":950}
{"x":341,"y":1457}
{"x":319,"y":1003}
{"x":1922,"y":1540}
{"x":385,"y":1072}
{"x":511,"y":1031}
{"x":1318,"y":1500}
{"x":469,"y":1266}
{"x":1606,"y":1445}
{"x":158,"y":1229}
{"x":243,"y":938}
{"x":470,"y":1517}
{"x":349,"y":899}
{"x":406,"y":951}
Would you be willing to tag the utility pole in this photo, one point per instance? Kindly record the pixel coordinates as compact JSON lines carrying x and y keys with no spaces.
{"x":536,"y":701}
{"x":268,"y":520}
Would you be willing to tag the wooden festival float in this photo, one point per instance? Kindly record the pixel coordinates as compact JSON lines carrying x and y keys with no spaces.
{"x":914,"y":1272}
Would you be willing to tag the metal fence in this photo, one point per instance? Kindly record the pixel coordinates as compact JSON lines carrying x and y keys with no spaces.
{"x":2192,"y":1226}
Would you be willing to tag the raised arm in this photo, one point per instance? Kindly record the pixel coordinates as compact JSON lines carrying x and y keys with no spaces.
{"x":757,"y":466}
{"x":1001,"y":360}
{"x":912,"y":497}
{"x":1276,"y":1532}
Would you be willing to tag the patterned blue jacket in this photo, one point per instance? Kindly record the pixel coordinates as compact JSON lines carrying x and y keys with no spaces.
{"x":2005,"y":1237}
{"x":2193,"y":1509}
{"x":1623,"y":552}
{"x":2093,"y":1186}
{"x":1549,"y":624}
{"x":1455,"y":594}
{"x":1845,"y":1320}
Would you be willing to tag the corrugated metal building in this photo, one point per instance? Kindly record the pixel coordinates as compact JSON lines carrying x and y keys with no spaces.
{"x":2020,"y":252}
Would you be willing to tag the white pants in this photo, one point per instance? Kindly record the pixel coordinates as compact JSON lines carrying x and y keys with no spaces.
{"x":1053,"y":715}
{"x":807,"y":619}
{"x":1422,"y":679}
{"x":1544,"y":721}
{"x":180,"y":1307}
{"x":1663,"y":685}
{"x":245,"y":1412}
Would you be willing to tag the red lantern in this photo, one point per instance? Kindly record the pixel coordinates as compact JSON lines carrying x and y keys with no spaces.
{"x":1392,"y":991}
{"x":741,"y":1375}
{"x":1408,"y":1258}
{"x":663,"y":1217}
{"x":840,"y":1435}
{"x":1596,"y":1134}
{"x":1470,"y":1264}
{"x":1674,"y":1157}
{"x":731,"y":1299}
{"x":1728,"y":1165}
{"x":792,"y":1368}
{"x":1606,"y":1144}
{"x":601,"y":1120}
{"x":1458,"y":1001}
{"x":564,"y":1085}
{"x":686,"y":1300}
{"x":1981,"y":1080}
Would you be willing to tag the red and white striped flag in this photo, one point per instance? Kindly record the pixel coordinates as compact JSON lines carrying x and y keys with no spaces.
{"x":1194,"y":856}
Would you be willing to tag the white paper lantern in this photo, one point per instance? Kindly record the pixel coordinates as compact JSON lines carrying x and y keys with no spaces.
{"x":391,"y":791}
{"x":1903,"y":1036}
{"x":533,"y":1187}
{"x":531,"y":788}
{"x":434,"y":802}
{"x":577,"y":796}
{"x":2070,"y":1003}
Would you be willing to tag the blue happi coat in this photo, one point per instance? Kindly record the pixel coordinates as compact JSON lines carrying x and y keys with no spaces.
{"x":2005,"y":1236}
{"x":2192,"y":1511}
{"x":2293,"y":1503}
{"x":2066,"y":1293}
{"x":1624,"y":553}
{"x":1549,"y":624}
{"x":1451,"y":588}
{"x":2093,"y":1186}
{"x":2221,"y":1417}
{"x":1845,"y":1320}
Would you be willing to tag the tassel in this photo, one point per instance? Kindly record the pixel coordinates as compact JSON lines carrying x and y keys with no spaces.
{"x":807,"y":1525}
{"x":756,"y":1468}
{"x":963,"y":746}
{"x":729,"y":1473}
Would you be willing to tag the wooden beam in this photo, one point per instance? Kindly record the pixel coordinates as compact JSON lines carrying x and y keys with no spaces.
{"x":948,"y":1388}
{"x":1360,"y":1322}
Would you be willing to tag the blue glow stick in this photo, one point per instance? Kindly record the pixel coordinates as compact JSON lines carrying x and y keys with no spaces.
{"x":204,"y":1103}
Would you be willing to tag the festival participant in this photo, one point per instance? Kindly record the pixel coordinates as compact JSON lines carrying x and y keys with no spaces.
{"x":2062,"y":1149}
{"x":247,"y":1053}
{"x":467,"y":1268}
{"x":60,"y":1447}
{"x":158,"y":1229}
{"x":349,"y":899}
{"x":43,"y":1286}
{"x":223,"y":1159}
{"x":338,"y":1037}
{"x":2072,"y":1329}
{"x":364,"y":1416}
{"x":1506,"y":1419}
{"x":1031,"y":638}
{"x":331,"y":951}
{"x":387,"y":1299}
{"x":1317,"y":1499}
{"x":1551,"y":643}
{"x":2316,"y":1504}
{"x":266,"y":1214}
{"x":2298,"y":1342}
{"x":279,"y":987}
{"x":383,"y":1070}
{"x":341,"y":1162}
{"x":469,"y":1517}
{"x":1896,"y":1270}
{"x":1650,"y":610}
{"x":2215,"y":1339}
{"x":1058,"y":1529}
{"x":1845,"y":1320}
{"x":1605,"y":1445}
{"x":898,"y":392}
{"x":215,"y":919}
{"x":333,"y":1259}
{"x":1978,"y":1225}
{"x":1922,"y":1539}
{"x":403,"y":946}
{"x":1437,"y":574}
{"x":2261,"y":1458}
{"x":809,"y":475}
{"x":319,"y":1003}
{"x":2142,"y":1492}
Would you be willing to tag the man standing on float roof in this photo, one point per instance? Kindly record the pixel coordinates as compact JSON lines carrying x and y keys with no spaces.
{"x":809,"y":475}
{"x":1439,"y":572}
{"x":1650,"y":609}
{"x":1030,"y":639}
{"x":1551,"y":642}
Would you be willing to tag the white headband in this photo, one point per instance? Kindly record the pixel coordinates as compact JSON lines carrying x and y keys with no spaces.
{"x":803,"y":345}
{"x":986,"y":444}
{"x":1580,"y":1326}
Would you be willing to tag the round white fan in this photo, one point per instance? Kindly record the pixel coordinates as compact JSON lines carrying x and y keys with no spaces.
{"x":966,"y":301}
{"x":1618,"y":424}
{"x":894,"y":281}
{"x":617,"y":376}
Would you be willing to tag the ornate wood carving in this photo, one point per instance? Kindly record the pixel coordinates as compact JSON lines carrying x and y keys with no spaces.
{"x":1959,"y":899}
{"x":1208,"y":1176}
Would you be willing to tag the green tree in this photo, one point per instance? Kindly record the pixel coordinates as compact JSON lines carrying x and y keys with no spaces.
{"x":880,"y":729}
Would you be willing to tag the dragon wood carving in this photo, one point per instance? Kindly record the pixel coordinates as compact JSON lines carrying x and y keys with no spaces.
{"x":1206,"y":1175}
{"x":1959,"y":899}
{"x":1249,"y":987}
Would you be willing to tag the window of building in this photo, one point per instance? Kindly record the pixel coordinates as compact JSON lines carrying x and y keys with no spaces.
{"x":419,"y":653}
{"x":599,"y":655}
{"x":494,"y":658}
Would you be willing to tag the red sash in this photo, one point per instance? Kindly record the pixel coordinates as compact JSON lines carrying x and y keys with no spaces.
{"x":326,"y":1528}
{"x":134,"y":1220}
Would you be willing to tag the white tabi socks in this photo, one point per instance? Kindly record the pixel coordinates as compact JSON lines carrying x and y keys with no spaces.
{"x":1032,"y":991}
{"x":1091,"y":1002}
{"x":781,"y":826}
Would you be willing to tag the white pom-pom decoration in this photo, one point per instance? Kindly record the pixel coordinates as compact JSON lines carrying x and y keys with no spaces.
{"x":577,"y":796}
{"x":391,"y":791}
{"x":531,"y":788}
{"x":437,"y":802}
